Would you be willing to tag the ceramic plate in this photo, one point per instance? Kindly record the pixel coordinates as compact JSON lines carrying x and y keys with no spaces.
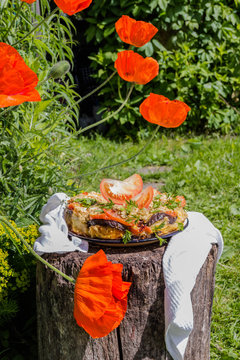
{"x":134,"y":242}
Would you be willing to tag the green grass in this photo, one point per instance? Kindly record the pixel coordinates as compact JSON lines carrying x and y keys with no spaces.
{"x":206,"y":171}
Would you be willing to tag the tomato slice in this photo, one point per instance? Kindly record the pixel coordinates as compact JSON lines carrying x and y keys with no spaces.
{"x":181,"y":199}
{"x":112,"y":215}
{"x":99,"y":216}
{"x":144,"y":199}
{"x":120,"y":191}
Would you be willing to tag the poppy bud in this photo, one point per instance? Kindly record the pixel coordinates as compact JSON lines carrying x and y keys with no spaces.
{"x":59,"y":69}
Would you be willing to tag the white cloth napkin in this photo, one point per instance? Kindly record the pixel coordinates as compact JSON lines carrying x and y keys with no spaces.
{"x":54,"y":231}
{"x":184,"y":257}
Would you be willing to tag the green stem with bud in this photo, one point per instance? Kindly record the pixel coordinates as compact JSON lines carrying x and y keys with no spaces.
{"x":3,"y":220}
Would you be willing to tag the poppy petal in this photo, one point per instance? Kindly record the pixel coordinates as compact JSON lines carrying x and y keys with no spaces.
{"x":106,"y":323}
{"x":160,"y":110}
{"x":146,"y":71}
{"x":17,"y":80}
{"x":136,"y":33}
{"x":135,"y":68}
{"x":9,"y":100}
{"x":100,"y":295}
{"x":123,"y":28}
{"x":28,"y":1}
{"x":93,"y":288}
{"x":72,"y":7}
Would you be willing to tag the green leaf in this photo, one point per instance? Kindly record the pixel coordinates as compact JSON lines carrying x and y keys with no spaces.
{"x":163,"y":4}
{"x":108,"y":31}
{"x":42,"y":46}
{"x":40,"y":107}
{"x":158,"y":45}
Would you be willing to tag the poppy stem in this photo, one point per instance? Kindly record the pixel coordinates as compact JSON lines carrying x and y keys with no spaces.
{"x":37,"y":26}
{"x":108,"y":117}
{"x":97,"y":88}
{"x":123,"y":161}
{"x":4,"y":221}
{"x":227,"y":103}
{"x":13,"y":20}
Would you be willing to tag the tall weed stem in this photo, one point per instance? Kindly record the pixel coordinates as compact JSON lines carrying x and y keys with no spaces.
{"x":4,"y":221}
{"x":7,"y":110}
{"x":13,"y":21}
{"x":36,"y":27}
{"x":97,"y":88}
{"x":108,"y":117}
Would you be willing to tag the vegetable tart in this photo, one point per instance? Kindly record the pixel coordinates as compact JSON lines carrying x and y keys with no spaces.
{"x":123,"y":210}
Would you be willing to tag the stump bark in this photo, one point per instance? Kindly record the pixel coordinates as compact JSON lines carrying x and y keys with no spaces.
{"x":140,"y":335}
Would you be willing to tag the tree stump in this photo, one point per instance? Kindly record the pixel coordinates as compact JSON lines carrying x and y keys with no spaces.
{"x":140,"y":335}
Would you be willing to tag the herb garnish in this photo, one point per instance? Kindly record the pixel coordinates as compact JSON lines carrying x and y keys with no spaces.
{"x":108,"y":205}
{"x":130,"y":204}
{"x":159,"y":227}
{"x":161,"y":240}
{"x":172,"y":204}
{"x":133,"y":218}
{"x":180,"y":226}
{"x":87,"y":202}
{"x":127,"y":237}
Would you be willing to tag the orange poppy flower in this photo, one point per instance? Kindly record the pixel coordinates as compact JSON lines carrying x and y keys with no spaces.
{"x":17,"y":80}
{"x":160,"y":110}
{"x":135,"y":68}
{"x":100,"y":296}
{"x":136,"y":33}
{"x":29,"y":1}
{"x":71,"y":7}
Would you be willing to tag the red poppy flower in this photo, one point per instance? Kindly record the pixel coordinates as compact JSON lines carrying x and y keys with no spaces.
{"x":160,"y":110}
{"x":135,"y":68}
{"x":17,"y":80}
{"x":71,"y":7}
{"x":100,"y":296}
{"x":29,"y":1}
{"x":136,"y":33}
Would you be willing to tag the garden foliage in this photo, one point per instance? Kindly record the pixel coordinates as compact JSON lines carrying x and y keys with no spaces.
{"x":198,"y":50}
{"x":31,"y":161}
{"x":31,"y":153}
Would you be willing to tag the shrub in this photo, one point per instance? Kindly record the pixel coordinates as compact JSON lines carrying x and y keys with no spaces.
{"x":17,"y":284}
{"x":13,"y":260}
{"x":198,"y":50}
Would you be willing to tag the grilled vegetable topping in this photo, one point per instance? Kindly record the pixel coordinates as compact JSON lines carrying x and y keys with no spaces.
{"x":111,"y":223}
{"x":160,"y":216}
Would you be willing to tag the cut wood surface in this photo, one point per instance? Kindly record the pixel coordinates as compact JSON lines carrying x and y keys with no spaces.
{"x":140,"y":335}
